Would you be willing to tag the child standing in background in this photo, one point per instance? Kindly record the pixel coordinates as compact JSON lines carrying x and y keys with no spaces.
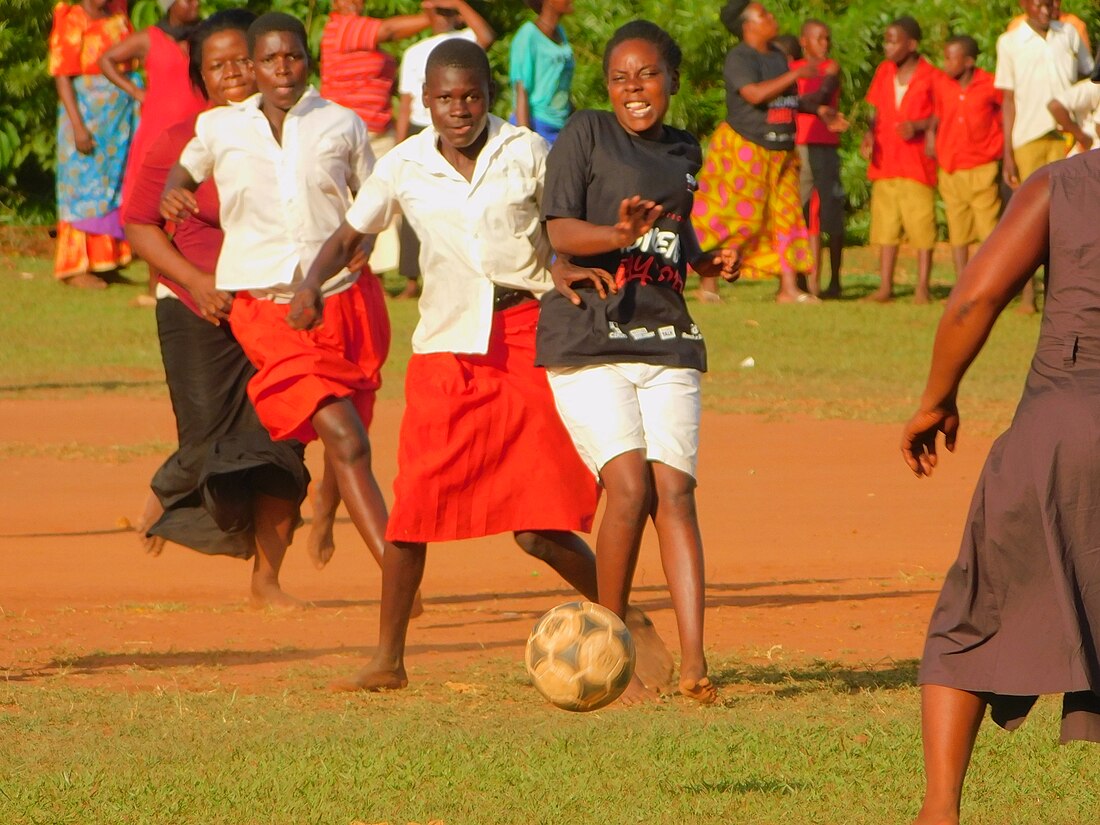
{"x":903,"y":176}
{"x":967,"y":141}
{"x":818,"y":145}
{"x":541,"y":68}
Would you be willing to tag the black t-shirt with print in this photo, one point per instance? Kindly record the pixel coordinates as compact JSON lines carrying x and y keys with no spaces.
{"x":594,"y":165}
{"x":771,"y":124}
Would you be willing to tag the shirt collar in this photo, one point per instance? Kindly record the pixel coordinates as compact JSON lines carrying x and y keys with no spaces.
{"x":434,"y":161}
{"x":307,"y":100}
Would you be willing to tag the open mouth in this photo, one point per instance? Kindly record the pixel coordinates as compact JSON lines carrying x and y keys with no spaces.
{"x":638,"y":108}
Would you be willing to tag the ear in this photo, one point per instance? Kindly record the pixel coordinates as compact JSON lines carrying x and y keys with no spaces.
{"x":424,"y":95}
{"x":674,"y":82}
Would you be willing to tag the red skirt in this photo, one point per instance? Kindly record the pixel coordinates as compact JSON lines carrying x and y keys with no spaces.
{"x":297,"y":371}
{"x":482,"y":449}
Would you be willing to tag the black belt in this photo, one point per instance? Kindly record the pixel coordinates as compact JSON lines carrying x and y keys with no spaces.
{"x":504,"y":297}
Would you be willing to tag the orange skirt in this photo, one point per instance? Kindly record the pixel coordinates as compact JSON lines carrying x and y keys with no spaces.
{"x":482,"y":449}
{"x":297,"y":371}
{"x":79,"y":252}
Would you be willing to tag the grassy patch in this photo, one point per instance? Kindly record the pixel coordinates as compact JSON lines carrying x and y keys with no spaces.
{"x":817,"y":744}
{"x":844,"y":359}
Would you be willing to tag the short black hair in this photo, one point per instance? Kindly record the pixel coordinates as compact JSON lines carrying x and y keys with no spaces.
{"x":732,"y":16}
{"x":220,"y":21}
{"x":789,"y":45}
{"x":276,"y":21}
{"x":810,"y":23}
{"x":534,"y":5}
{"x":969,"y":44}
{"x":910,"y":26}
{"x":649,"y":32}
{"x":459,"y":53}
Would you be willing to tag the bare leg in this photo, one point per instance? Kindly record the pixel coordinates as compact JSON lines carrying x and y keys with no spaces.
{"x":347,"y":450}
{"x":153,"y":545}
{"x":960,"y":255}
{"x":273,"y":525}
{"x":923,"y":292}
{"x":888,"y":258}
{"x":573,"y":560}
{"x":815,"y":278}
{"x":708,"y":290}
{"x":411,"y":291}
{"x":790,"y":292}
{"x":682,"y":557}
{"x":325,"y":498}
{"x":1028,"y":305}
{"x":627,"y":482}
{"x":949,"y":725}
{"x":402,"y":570}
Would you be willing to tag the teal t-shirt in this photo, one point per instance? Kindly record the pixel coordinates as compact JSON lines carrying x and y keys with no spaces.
{"x":545,"y":69}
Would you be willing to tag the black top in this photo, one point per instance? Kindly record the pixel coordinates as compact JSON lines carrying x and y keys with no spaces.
{"x":594,"y":164}
{"x":770,"y":124}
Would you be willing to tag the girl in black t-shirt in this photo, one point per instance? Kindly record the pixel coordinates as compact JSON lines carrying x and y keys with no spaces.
{"x":623,"y":356}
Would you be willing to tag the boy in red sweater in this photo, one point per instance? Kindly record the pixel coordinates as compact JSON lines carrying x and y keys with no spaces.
{"x":967,"y":140}
{"x":903,"y":176}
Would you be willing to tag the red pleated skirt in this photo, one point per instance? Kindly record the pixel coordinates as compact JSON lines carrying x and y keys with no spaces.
{"x":297,"y":371}
{"x":482,"y":449}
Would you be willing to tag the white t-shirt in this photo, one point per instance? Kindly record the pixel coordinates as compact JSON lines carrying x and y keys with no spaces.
{"x":1081,"y":101}
{"x":279,"y":202}
{"x":473,"y":234}
{"x":1035,"y":69}
{"x":414,"y":62}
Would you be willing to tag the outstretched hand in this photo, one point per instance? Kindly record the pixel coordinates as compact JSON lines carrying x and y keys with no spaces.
{"x":724,"y":262}
{"x":565,"y":273}
{"x":636,"y":217}
{"x":918,"y":439}
{"x":306,"y":308}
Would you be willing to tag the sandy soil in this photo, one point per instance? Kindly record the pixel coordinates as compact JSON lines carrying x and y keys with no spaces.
{"x":820,"y":545}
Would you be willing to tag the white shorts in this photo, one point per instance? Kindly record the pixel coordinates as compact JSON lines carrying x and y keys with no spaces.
{"x":611,"y":409}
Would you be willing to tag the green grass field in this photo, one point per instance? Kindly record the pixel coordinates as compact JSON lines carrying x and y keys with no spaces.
{"x":792,"y":744}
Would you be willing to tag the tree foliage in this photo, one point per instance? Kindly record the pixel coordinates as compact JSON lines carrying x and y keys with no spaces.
{"x":27,"y":119}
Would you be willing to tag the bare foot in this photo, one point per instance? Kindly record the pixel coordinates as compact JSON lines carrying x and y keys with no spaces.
{"x":701,"y":690}
{"x":268,"y":595}
{"x":410,"y":293}
{"x":373,"y":678}
{"x":922,"y":296}
{"x":85,"y":280}
{"x":1027,"y":307}
{"x":321,"y":545}
{"x":655,"y":666}
{"x":706,"y":296}
{"x":935,"y":819}
{"x":153,"y":545}
{"x":879,"y":297}
{"x":144,"y":302}
{"x":637,"y":693}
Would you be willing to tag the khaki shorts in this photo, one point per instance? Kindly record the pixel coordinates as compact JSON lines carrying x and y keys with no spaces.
{"x":1035,"y":154}
{"x":972,"y":200}
{"x":902,"y":204}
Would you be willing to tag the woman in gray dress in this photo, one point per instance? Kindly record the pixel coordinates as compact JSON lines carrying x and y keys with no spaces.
{"x":1019,"y":614}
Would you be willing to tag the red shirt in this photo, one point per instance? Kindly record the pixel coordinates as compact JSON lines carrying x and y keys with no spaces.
{"x":354,"y":72}
{"x":970,"y":132}
{"x":892,"y":157}
{"x":199,"y":238}
{"x":811,"y":128}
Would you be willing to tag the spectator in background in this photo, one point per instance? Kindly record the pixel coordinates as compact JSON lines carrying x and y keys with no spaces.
{"x":902,"y":175}
{"x":95,"y":124}
{"x":748,"y":186}
{"x":818,"y":143}
{"x":1075,"y":112}
{"x":540,"y":68}
{"x":167,"y":97}
{"x":1035,"y":62}
{"x":447,"y":19}
{"x":967,"y":141}
{"x":358,"y":75}
{"x":1063,"y":17}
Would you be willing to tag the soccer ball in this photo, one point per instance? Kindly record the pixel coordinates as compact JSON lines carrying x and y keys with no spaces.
{"x":580,"y":656}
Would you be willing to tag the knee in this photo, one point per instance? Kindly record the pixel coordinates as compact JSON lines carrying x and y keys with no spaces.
{"x":677,"y":495}
{"x":630,"y":497}
{"x":348,"y":448}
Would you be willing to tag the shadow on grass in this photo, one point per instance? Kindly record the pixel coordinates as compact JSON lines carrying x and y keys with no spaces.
{"x":789,"y":682}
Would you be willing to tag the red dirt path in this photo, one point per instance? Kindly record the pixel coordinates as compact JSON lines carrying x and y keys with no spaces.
{"x":819,"y":544}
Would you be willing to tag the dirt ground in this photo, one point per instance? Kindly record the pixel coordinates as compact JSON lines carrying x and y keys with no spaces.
{"x":820,"y":545}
